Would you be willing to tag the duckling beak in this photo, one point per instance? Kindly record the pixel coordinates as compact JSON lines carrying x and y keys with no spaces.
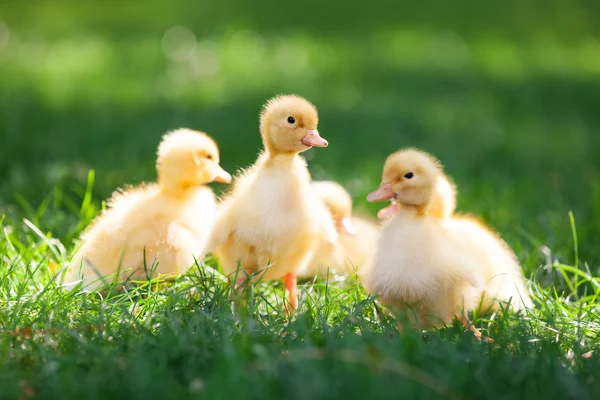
{"x":221,"y":175}
{"x":348,"y":227}
{"x":388,"y":211}
{"x":383,"y":192}
{"x":312,"y":138}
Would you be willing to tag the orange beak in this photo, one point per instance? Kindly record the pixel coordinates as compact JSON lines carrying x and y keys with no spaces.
{"x":347,"y":227}
{"x":312,"y":138}
{"x":383,"y":192}
{"x":221,"y":175}
{"x":388,"y":211}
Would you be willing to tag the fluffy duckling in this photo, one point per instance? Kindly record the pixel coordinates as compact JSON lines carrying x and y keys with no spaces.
{"x":272,"y":222}
{"x":163,"y":225}
{"x":438,"y":266}
{"x":357,"y":236}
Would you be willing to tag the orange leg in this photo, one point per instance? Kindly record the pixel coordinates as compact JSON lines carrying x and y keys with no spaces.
{"x":464,"y":318}
{"x":241,"y":280}
{"x":237,"y":294}
{"x":290,"y":282}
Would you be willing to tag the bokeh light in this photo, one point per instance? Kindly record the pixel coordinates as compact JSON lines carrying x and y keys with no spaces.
{"x":179,"y":43}
{"x":448,"y":50}
{"x":205,"y":62}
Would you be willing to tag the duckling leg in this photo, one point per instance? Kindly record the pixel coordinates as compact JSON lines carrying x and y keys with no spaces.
{"x":237,"y":294}
{"x":240,"y":281}
{"x":464,"y":318}
{"x":290,"y":282}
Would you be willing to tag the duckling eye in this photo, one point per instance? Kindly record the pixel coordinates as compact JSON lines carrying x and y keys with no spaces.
{"x":291,"y":120}
{"x":409,"y":175}
{"x":209,"y":156}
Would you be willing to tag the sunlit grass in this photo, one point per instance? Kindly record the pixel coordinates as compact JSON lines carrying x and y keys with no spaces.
{"x":183,"y":337}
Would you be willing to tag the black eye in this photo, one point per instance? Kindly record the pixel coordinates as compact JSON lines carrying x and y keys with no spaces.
{"x":409,"y":175}
{"x":291,"y":120}
{"x":209,"y":156}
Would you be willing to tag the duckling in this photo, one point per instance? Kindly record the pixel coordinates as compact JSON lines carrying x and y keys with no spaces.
{"x":437,"y":266}
{"x":443,"y":203}
{"x":164,"y":225}
{"x":357,"y":236}
{"x":272,"y":222}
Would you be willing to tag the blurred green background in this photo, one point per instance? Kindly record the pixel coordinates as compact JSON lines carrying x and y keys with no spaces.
{"x":506,"y":94}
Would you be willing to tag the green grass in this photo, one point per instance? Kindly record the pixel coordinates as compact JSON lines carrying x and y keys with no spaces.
{"x":182,"y":339}
{"x":504,"y":94}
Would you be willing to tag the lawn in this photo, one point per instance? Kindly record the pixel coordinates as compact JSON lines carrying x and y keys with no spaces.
{"x":506,"y":95}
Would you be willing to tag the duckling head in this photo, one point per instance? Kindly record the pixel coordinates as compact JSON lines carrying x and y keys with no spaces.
{"x":288,"y":125}
{"x":188,"y":158}
{"x":338,"y":203}
{"x":409,"y":177}
{"x":442,"y":203}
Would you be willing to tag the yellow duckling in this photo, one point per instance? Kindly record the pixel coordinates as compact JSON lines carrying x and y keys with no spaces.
{"x":357,"y":236}
{"x":440,"y":267}
{"x":162,"y":225}
{"x":272,"y":222}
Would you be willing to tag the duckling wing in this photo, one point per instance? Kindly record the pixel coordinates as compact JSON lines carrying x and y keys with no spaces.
{"x":497,"y":265}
